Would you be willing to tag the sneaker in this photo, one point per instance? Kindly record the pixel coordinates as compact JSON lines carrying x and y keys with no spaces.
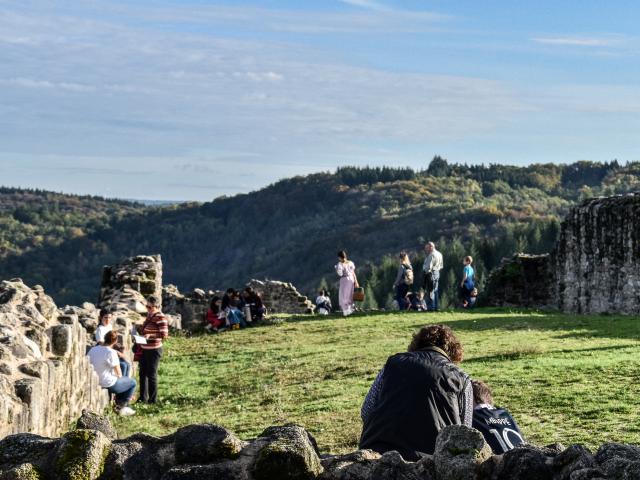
{"x":126,"y":412}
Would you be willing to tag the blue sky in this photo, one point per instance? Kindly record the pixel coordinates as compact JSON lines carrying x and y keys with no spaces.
{"x":190,"y":100}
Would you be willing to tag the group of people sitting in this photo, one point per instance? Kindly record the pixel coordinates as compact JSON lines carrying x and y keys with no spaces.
{"x":419,"y":392}
{"x":234,"y":310}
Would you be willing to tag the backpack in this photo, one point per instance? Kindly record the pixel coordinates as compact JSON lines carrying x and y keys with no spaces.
{"x":407,"y":277}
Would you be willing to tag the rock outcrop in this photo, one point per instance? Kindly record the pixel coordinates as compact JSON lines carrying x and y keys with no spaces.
{"x":523,"y":280}
{"x":289,"y":452}
{"x":597,"y":258}
{"x":46,"y":379}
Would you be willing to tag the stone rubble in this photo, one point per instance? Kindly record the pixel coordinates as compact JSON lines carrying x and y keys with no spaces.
{"x":289,"y":452}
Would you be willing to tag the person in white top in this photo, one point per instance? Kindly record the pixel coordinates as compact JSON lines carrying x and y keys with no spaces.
{"x":346,"y":270}
{"x":433,"y":263}
{"x":106,"y":326}
{"x":105,"y":362}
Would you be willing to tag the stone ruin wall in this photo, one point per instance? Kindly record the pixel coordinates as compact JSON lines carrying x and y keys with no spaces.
{"x":278,"y":297}
{"x":597,"y":258}
{"x":523,"y":280}
{"x":594,"y":268}
{"x":205,"y":451}
{"x":45,"y":376}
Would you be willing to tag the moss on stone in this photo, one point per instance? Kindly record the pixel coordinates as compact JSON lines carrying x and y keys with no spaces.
{"x":25,"y":471}
{"x":82,"y":455}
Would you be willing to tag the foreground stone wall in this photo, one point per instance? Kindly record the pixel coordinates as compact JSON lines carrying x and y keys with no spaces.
{"x":523,"y":280}
{"x":206,"y":451}
{"x":45,"y":377}
{"x":597,"y":259}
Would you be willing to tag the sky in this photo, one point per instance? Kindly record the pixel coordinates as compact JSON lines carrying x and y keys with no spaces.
{"x":194,"y":99}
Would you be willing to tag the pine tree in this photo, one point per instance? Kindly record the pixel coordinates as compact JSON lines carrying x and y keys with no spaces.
{"x":370,"y":302}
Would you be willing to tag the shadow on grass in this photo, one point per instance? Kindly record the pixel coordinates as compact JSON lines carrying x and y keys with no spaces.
{"x":532,"y":353}
{"x":572,"y":326}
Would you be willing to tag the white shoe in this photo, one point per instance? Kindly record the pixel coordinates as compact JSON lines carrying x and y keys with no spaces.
{"x":126,"y":412}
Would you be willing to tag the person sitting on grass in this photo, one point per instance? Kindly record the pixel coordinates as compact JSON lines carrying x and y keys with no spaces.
{"x":104,"y":360}
{"x":105,"y":325}
{"x":496,"y":424}
{"x":323,"y":303}
{"x":251,"y":298}
{"x":418,"y":302}
{"x":416,"y":394}
{"x":235,"y":318}
{"x":215,"y":319}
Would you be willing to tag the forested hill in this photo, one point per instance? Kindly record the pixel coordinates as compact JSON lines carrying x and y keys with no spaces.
{"x":292,"y":229}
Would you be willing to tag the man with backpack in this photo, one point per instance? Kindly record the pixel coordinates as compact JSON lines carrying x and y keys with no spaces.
{"x":404,"y":280}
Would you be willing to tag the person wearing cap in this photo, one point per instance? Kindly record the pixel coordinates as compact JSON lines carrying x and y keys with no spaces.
{"x":155,"y":329}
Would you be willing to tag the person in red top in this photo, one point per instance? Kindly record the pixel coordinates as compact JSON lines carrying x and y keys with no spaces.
{"x":155,"y":329}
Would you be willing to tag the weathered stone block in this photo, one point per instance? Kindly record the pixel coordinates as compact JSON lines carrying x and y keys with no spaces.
{"x":205,"y":443}
{"x":92,"y":421}
{"x":290,"y":454}
{"x":81,"y":455}
{"x":459,"y":452}
{"x":61,"y":339}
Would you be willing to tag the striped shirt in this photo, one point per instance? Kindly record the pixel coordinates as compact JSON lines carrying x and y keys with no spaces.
{"x":157,"y":326}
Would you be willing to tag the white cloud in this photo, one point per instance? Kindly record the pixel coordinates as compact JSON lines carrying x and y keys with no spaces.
{"x":579,"y":41}
{"x":367,"y":4}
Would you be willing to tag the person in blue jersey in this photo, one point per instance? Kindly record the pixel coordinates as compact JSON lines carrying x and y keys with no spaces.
{"x":496,"y":424}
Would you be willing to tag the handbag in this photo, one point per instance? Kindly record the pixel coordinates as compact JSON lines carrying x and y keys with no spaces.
{"x":358,"y":294}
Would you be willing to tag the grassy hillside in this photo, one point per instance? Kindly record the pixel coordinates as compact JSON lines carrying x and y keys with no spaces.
{"x":291,"y":230}
{"x":565,"y":378}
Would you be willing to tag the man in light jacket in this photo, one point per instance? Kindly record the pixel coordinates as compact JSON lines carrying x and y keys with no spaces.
{"x":433,"y":263}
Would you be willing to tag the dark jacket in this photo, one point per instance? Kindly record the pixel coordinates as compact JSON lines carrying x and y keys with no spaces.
{"x":420,"y":395}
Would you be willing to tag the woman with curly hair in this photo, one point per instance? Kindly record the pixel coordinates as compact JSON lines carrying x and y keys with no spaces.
{"x":416,"y":394}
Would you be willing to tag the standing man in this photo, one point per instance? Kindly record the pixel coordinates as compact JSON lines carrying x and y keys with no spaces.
{"x":155,"y":329}
{"x":433,"y":263}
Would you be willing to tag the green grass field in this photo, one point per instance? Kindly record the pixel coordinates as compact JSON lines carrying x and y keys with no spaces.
{"x":568,"y":379}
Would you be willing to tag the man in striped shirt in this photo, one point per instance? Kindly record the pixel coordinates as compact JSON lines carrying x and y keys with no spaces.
{"x":155,"y":329}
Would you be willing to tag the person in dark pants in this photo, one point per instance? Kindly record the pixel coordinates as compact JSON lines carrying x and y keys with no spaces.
{"x":416,"y":394}
{"x":155,"y":329}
